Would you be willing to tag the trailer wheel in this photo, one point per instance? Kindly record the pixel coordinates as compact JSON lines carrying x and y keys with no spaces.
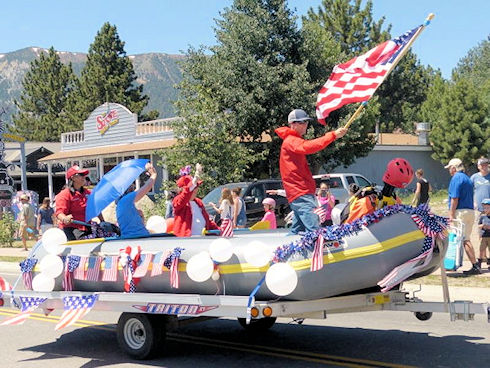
{"x":140,"y":335}
{"x":423,"y":316}
{"x":257,"y":325}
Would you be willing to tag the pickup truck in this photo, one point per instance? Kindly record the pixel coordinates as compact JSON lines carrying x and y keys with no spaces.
{"x":339,"y":183}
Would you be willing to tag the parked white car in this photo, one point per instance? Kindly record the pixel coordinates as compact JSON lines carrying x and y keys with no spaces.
{"x":339,"y":183}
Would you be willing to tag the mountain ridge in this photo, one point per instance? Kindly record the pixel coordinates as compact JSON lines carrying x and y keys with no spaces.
{"x":159,"y":74}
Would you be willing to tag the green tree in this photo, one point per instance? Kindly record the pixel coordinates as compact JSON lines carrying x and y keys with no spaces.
{"x":243,"y":88}
{"x":41,"y":110}
{"x":460,"y":123}
{"x":475,"y":66}
{"x":108,"y":76}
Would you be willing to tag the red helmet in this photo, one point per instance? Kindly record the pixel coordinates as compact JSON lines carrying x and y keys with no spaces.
{"x":399,"y":173}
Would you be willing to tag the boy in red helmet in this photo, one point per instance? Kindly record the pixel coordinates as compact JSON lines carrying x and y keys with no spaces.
{"x":398,"y":174}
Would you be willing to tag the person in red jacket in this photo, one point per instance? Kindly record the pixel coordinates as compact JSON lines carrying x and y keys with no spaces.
{"x":71,"y":203}
{"x":190,"y":216}
{"x":295,"y":174}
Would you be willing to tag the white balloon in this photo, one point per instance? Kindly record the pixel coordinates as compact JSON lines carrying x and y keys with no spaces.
{"x":200,"y":267}
{"x":257,"y":253}
{"x":281,"y":279}
{"x":156,"y":224}
{"x":41,"y":282}
{"x":52,"y":240}
{"x":221,"y":250}
{"x":51,"y":266}
{"x":215,"y":276}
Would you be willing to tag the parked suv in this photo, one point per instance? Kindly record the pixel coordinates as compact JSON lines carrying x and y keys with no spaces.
{"x":253,"y":193}
{"x":339,"y":183}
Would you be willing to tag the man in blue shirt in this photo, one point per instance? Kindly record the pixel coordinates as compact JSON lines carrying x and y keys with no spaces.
{"x":460,"y":194}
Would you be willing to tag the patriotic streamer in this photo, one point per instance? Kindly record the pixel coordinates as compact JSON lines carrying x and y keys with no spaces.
{"x":79,"y":273}
{"x":156,"y":268}
{"x":143,"y":264}
{"x":71,"y":264}
{"x":322,"y":213}
{"x":28,"y":305}
{"x":26,"y":267}
{"x":172,"y":263}
{"x":110,"y":268}
{"x":75,"y":308}
{"x":335,"y":233}
{"x":317,"y":258}
{"x":226,"y":228}
{"x":129,"y":258}
{"x":407,"y":269}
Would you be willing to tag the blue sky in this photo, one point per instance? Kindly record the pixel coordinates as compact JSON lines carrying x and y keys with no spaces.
{"x":171,"y":26}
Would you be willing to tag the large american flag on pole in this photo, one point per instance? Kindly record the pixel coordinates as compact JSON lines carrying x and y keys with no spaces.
{"x":28,"y":305}
{"x":358,"y":79}
{"x":75,"y":308}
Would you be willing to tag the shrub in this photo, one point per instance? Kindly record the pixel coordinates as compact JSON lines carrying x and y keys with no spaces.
{"x":8,"y":227}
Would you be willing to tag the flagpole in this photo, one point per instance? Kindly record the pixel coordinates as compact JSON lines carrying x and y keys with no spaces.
{"x":395,"y":63}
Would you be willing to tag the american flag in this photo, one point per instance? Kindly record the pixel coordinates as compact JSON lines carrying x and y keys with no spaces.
{"x":143,"y":264}
{"x":75,"y":308}
{"x":110,"y":268}
{"x":26,"y":266}
{"x":322,"y":213}
{"x":407,"y":269}
{"x":317,"y":256}
{"x":28,"y":305}
{"x":358,"y":79}
{"x":156,"y":268}
{"x":93,"y":268}
{"x":79,"y":273}
{"x":226,"y":228}
{"x":4,"y":284}
{"x":71,"y":264}
{"x":172,"y":263}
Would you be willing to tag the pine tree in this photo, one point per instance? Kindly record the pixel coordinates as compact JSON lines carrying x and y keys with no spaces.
{"x":108,"y":76}
{"x":41,"y":110}
{"x":461,"y":126}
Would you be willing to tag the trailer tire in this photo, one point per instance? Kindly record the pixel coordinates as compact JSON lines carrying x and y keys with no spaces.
{"x":141,"y":335}
{"x":423,"y":316}
{"x":257,"y":325}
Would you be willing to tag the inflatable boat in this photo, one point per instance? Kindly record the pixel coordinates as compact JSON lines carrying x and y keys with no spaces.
{"x":266,"y":263}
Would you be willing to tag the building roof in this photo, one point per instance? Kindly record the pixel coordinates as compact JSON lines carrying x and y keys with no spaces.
{"x":114,"y":150}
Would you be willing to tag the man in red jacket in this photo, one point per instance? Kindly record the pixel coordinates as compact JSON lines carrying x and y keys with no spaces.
{"x":296,"y":175}
{"x":190,"y":216}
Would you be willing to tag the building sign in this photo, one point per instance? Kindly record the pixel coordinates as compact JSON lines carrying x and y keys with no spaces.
{"x":106,"y":120}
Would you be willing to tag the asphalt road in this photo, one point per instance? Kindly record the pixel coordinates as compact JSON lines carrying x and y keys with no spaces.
{"x":370,"y":339}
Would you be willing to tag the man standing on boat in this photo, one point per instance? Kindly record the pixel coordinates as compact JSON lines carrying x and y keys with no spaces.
{"x":460,"y":195}
{"x":295,"y":174}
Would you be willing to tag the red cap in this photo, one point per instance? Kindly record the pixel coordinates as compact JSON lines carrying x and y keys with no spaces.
{"x":75,"y":169}
{"x":184,"y":181}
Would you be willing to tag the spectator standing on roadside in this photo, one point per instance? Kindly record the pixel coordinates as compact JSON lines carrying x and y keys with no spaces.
{"x":484,"y":225}
{"x":296,"y":175}
{"x":422,"y":189}
{"x":45,"y":216}
{"x":460,"y":196}
{"x":27,"y":220}
{"x":481,"y":183}
{"x":326,"y":200}
{"x":239,"y":210}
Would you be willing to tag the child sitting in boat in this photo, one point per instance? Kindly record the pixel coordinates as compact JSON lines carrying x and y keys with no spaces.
{"x":398,"y":174}
{"x":226,"y":203}
{"x":129,"y":218}
{"x":189,"y":213}
{"x":269,"y":206}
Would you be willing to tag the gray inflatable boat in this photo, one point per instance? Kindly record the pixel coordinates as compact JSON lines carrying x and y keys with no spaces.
{"x":358,"y":262}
